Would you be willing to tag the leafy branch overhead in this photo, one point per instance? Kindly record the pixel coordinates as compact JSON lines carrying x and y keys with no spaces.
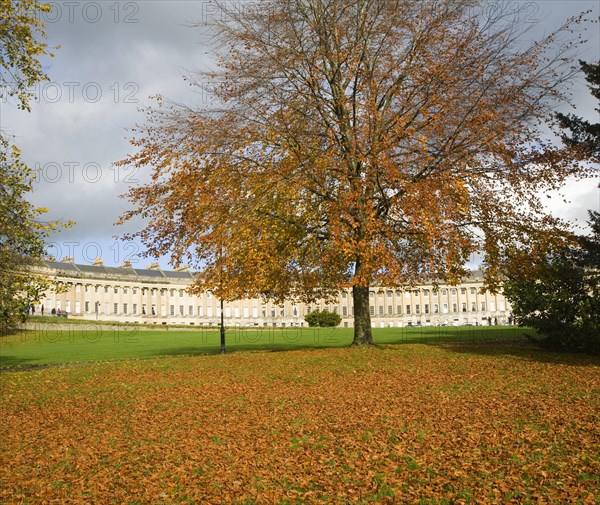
{"x":357,"y":143}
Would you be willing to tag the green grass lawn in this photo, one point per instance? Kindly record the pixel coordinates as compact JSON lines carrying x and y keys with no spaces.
{"x":91,"y":343}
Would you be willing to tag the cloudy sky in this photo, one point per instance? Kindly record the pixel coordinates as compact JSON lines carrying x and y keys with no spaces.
{"x":113,"y":56}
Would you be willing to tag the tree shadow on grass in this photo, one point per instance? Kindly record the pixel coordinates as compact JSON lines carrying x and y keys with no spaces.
{"x":523,"y":348}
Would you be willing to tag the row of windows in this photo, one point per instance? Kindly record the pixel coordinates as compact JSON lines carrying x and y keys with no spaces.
{"x":436,"y":308}
{"x":181,"y":292}
{"x":417,"y":292}
{"x":235,"y":311}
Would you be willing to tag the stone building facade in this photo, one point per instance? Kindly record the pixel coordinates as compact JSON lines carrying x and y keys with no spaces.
{"x":155,"y":296}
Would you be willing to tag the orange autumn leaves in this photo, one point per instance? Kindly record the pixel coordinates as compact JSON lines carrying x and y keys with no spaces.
{"x":392,"y":425}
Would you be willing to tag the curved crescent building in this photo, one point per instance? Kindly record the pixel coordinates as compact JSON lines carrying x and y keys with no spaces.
{"x":155,"y":296}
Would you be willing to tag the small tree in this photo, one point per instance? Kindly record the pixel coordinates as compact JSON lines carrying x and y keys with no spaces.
{"x":323,"y":318}
{"x":560,"y":297}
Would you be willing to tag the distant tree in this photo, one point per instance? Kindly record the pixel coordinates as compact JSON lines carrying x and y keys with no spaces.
{"x":323,"y":318}
{"x":355,"y":143}
{"x":583,"y":134}
{"x":22,"y":234}
{"x":560,"y":297}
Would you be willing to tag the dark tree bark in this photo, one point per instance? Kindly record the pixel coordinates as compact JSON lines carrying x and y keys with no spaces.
{"x":362,"y":316}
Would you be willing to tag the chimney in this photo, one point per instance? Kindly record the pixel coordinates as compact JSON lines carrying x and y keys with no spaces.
{"x":153,"y":266}
{"x":67,"y":259}
{"x":182,"y":268}
{"x":98,"y":262}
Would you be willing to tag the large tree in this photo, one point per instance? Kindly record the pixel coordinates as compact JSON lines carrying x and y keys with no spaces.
{"x":356,"y":143}
{"x":22,"y":233}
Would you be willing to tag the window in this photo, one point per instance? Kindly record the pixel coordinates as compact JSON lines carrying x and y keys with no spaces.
{"x":116,"y":308}
{"x":390,"y":310}
{"x":153,"y":309}
{"x":106,"y":289}
{"x":463,"y":291}
{"x":372,"y":308}
{"x":399,"y":309}
{"x":86,"y":288}
{"x":408,"y":309}
{"x":453,"y":291}
{"x":172,"y":310}
{"x":464,"y":307}
{"x":389,"y":294}
{"x":381,"y":310}
{"x":444,"y":292}
{"x":96,"y":289}
{"x":125,"y":308}
{"x":181,"y":293}
{"x":472,"y":291}
{"x":371,"y":294}
{"x":445,"y":308}
{"x":134,"y":308}
{"x":344,"y":311}
{"x":208,"y":295}
{"x":454,"y":307}
{"x":436,"y":308}
{"x":134,"y":291}
{"x":172,"y":292}
{"x":116,"y":290}
{"x":144,"y":309}
{"x":77,"y":288}
{"x":181,"y":310}
{"x":87,"y":306}
{"x":124,"y":291}
{"x":344,"y":294}
{"x":272,"y":312}
{"x":482,"y":306}
{"x":473,"y":307}
{"x":417,"y":309}
{"x":282,"y":312}
{"x":199,"y":311}
{"x":191,"y":310}
{"x":426,"y":308}
{"x":77,"y":307}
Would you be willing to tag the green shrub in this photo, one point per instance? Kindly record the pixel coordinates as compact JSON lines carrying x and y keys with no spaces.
{"x":323,"y":318}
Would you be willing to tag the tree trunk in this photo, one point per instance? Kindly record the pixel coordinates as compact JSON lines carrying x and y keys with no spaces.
{"x":362,"y":316}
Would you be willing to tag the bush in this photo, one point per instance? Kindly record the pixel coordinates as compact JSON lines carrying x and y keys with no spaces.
{"x":323,"y":318}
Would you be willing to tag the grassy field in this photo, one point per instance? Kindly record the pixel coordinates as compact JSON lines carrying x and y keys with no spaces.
{"x":416,"y":423}
{"x":90,"y":342}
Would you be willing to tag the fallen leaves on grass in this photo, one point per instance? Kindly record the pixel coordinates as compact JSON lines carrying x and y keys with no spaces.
{"x":394,"y":425}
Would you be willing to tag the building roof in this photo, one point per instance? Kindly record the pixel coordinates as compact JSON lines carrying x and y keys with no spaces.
{"x":99,"y":271}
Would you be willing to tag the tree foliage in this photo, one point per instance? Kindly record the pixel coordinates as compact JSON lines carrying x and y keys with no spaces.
{"x":21,"y":47}
{"x":323,"y":318}
{"x":22,"y":234}
{"x":355,"y":143}
{"x":583,"y":134}
{"x":560,"y":298}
